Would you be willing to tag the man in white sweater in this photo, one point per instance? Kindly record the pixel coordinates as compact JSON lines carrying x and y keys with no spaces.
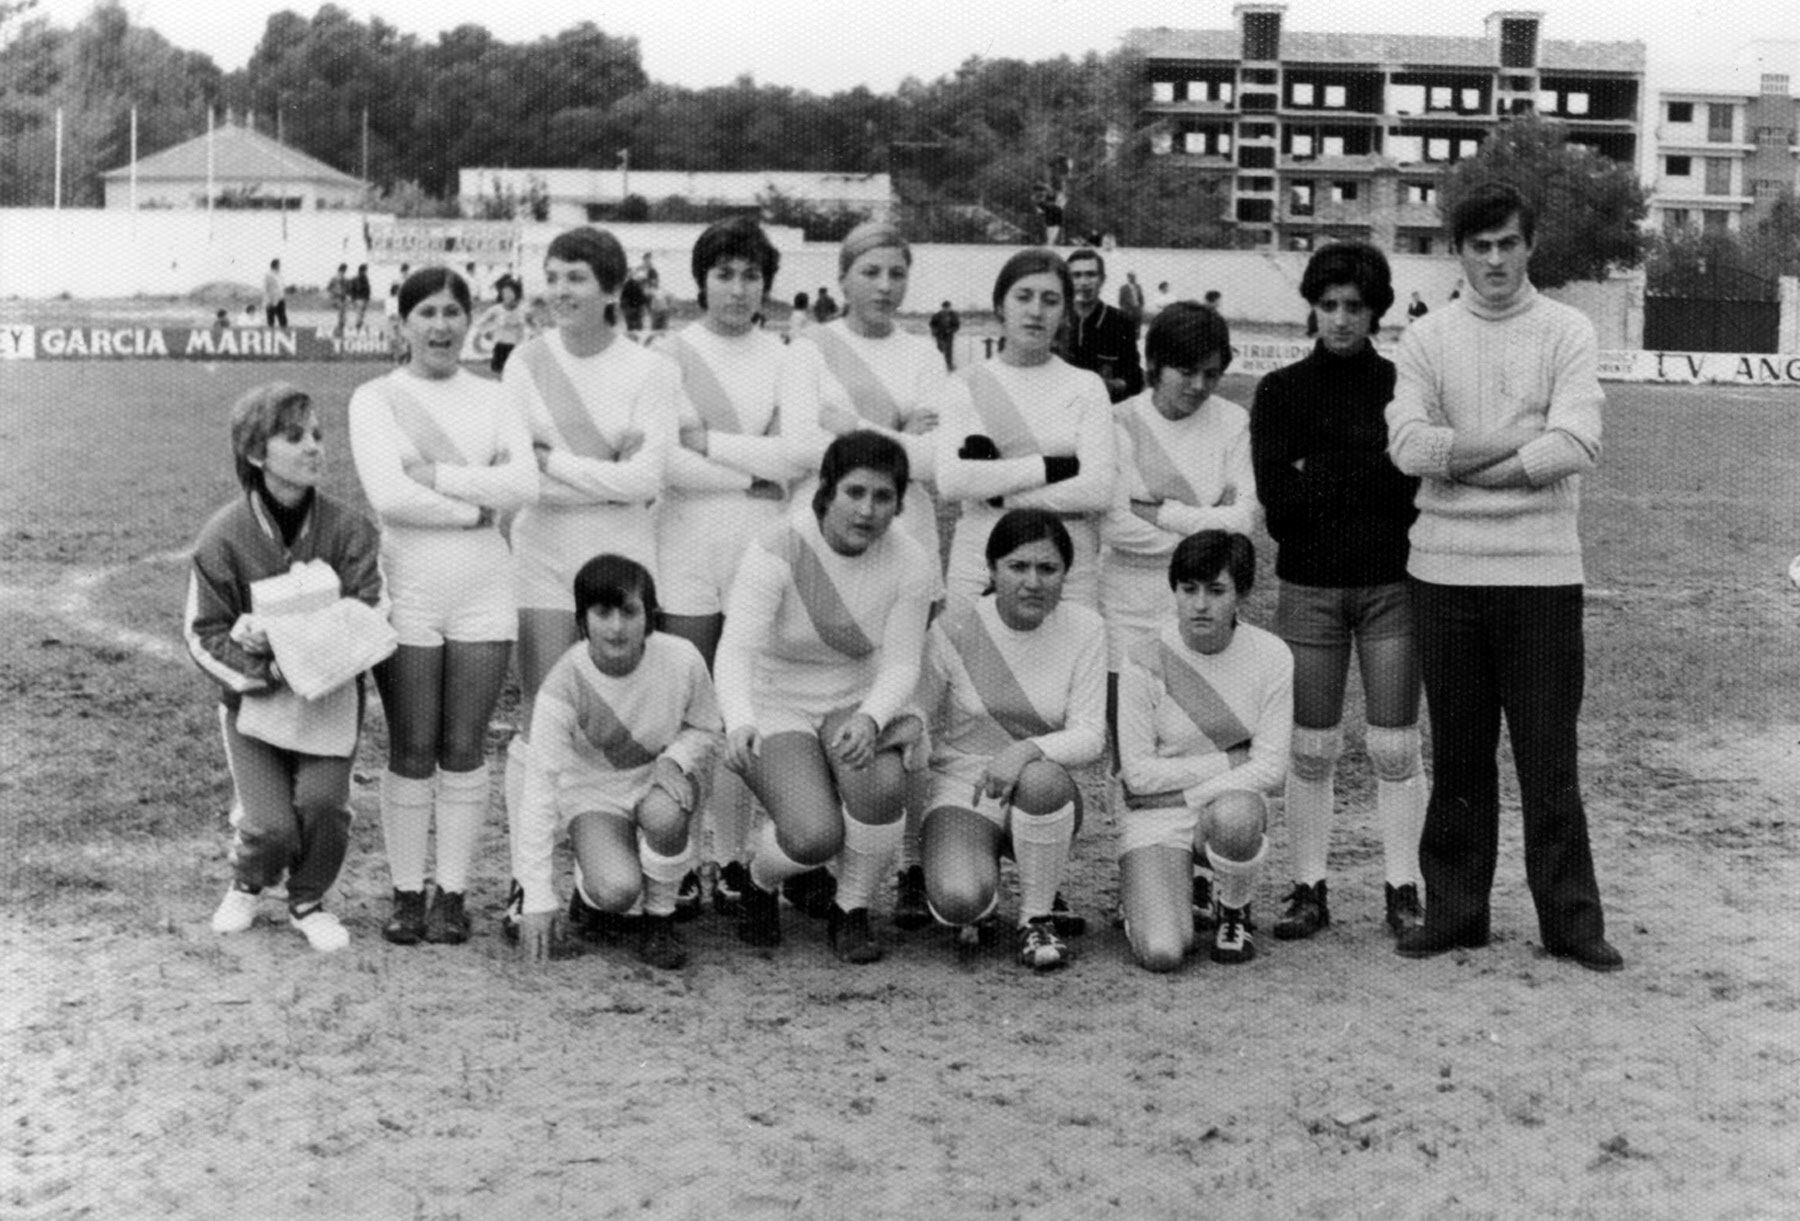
{"x":1497,"y":410}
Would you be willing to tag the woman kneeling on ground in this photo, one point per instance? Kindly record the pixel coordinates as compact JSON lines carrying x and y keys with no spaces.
{"x":820,"y":655}
{"x":625,"y":728}
{"x":294,"y":804}
{"x":1015,"y":685}
{"x":1205,"y":713}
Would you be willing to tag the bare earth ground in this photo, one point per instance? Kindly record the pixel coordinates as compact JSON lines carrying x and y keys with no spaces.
{"x":151,"y":1069}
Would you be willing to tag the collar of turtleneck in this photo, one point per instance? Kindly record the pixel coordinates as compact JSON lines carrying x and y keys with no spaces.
{"x":1521,"y":301}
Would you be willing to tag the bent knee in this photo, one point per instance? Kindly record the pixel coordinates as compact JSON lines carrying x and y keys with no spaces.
{"x":957,"y":904}
{"x":1234,"y":828}
{"x":662,"y":821}
{"x":1043,"y":788}
{"x":1313,"y":753}
{"x":1394,"y":754}
{"x":615,"y":890}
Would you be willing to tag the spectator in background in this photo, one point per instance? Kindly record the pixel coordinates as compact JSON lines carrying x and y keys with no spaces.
{"x":360,"y":292}
{"x":824,"y":308}
{"x":1099,"y":337}
{"x":274,"y":296}
{"x":337,"y":291}
{"x":1160,"y":300}
{"x":1131,"y":301}
{"x":1417,"y":309}
{"x":632,"y":300}
{"x":799,"y":316}
{"x":1212,"y":300}
{"x":944,"y":324}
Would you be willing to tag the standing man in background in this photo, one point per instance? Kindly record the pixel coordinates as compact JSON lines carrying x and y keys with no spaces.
{"x":944,"y":324}
{"x":1131,"y":301}
{"x":1100,"y":337}
{"x":1497,"y":410}
{"x":274,"y":296}
{"x":337,"y":291}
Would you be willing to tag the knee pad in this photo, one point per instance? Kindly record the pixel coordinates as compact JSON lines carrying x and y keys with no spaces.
{"x":1394,"y":753}
{"x":1313,"y":753}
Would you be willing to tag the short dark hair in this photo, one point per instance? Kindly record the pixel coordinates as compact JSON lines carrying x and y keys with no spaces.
{"x":1040,"y":260}
{"x":735,"y":237}
{"x":1183,"y":335}
{"x":1087,"y":252}
{"x":1019,"y":527}
{"x":430,"y":281}
{"x":260,"y":413}
{"x":597,"y":248}
{"x":861,"y":450}
{"x":1488,"y":206}
{"x":1203,"y":556}
{"x":1356,"y":264}
{"x":608,"y":581}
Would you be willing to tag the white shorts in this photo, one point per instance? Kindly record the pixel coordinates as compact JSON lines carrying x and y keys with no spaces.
{"x":574,"y":800}
{"x":1136,"y":602}
{"x":1167,"y":826}
{"x":551,"y":543}
{"x":700,"y":541}
{"x":906,"y":730}
{"x":449,"y":585}
{"x":958,"y":792}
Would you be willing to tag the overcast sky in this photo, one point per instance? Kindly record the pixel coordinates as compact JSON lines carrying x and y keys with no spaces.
{"x":828,"y":45}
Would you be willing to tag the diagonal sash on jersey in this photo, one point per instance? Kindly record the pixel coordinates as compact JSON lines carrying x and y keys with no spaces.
{"x":422,"y":429}
{"x":868,"y":393}
{"x":1202,"y":705}
{"x":601,"y":725}
{"x":999,"y":415}
{"x":1162,"y":477}
{"x":567,"y":411}
{"x":1011,"y":716}
{"x":825,"y":606}
{"x":704,"y":389}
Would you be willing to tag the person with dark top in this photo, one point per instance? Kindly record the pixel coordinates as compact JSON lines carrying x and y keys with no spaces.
{"x":1417,"y":309}
{"x":1131,"y":300}
{"x":1100,"y":338}
{"x":360,"y":292}
{"x":944,"y":324}
{"x":1339,"y":512}
{"x":632,"y":302}
{"x":824,"y":307}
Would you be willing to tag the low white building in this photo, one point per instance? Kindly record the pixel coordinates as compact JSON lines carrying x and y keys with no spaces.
{"x":580,"y":195}
{"x":237,"y":163}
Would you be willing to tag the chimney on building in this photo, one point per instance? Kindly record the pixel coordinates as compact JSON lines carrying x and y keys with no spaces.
{"x":1259,"y":25}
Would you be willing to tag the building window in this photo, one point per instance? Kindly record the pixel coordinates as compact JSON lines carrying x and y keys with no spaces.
{"x":1681,"y":112}
{"x":1518,"y":42}
{"x":1258,"y":131}
{"x":1467,"y":148}
{"x":1421,"y":192}
{"x":1678,"y":167}
{"x":1260,"y":76}
{"x":1300,"y":144}
{"x":1256,"y":157}
{"x":1259,"y":101}
{"x":1774,"y":84}
{"x":1162,"y":141}
{"x":1715,"y":221}
{"x":1336,"y":96}
{"x":1518,"y":84}
{"x":1300,"y":198}
{"x":1546,"y":101}
{"x":1162,"y":91}
{"x":1418,"y":243}
{"x":1718,"y":122}
{"x":1256,"y":211}
{"x":1343,"y":192}
{"x":1718,"y":176}
{"x":1406,"y":99}
{"x":1405,"y":150}
{"x":1256,"y":184}
{"x":1332,"y":146}
{"x":1440,"y":98}
{"x":1675,"y":219}
{"x":1575,"y":103}
{"x":1437,"y":148}
{"x":1300,"y":93}
{"x":1471,"y":99}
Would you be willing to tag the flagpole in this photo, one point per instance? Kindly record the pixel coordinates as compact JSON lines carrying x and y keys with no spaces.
{"x":134,"y":158}
{"x":56,"y":194}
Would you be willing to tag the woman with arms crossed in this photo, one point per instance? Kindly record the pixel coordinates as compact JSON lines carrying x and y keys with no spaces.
{"x":819,"y":658}
{"x":294,"y":805}
{"x":600,"y":411}
{"x":1339,"y":512}
{"x":1015,"y":692}
{"x":1205,"y":711}
{"x":728,"y":481}
{"x":626,"y":732}
{"x":439,"y":455}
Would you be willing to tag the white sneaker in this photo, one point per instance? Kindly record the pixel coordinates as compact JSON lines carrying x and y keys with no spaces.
{"x":236,"y":913}
{"x":323,"y":930}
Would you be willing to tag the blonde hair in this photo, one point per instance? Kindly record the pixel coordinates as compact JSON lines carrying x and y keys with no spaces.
{"x":870,"y":235}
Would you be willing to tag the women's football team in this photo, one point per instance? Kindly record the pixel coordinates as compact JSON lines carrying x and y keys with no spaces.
{"x":747,"y":676}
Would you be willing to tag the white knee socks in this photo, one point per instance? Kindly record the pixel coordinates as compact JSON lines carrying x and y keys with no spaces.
{"x":1399,"y":799}
{"x":405,"y":828}
{"x":1237,"y":879}
{"x":662,"y":878}
{"x":462,"y":805}
{"x":1311,"y":794}
{"x":866,"y":858}
{"x":1041,"y":848}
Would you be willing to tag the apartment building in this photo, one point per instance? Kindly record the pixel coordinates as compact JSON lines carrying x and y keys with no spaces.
{"x":1321,"y":136}
{"x":1727,"y":144}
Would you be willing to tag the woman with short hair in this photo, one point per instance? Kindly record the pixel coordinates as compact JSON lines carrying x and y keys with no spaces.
{"x":816,"y":672}
{"x":1340,"y":513}
{"x":1015,"y":694}
{"x":441,"y":457}
{"x":601,"y":413}
{"x":293,"y":797}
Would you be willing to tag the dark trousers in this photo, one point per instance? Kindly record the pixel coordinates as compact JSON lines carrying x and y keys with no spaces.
{"x":295,"y":816}
{"x":1512,"y":651}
